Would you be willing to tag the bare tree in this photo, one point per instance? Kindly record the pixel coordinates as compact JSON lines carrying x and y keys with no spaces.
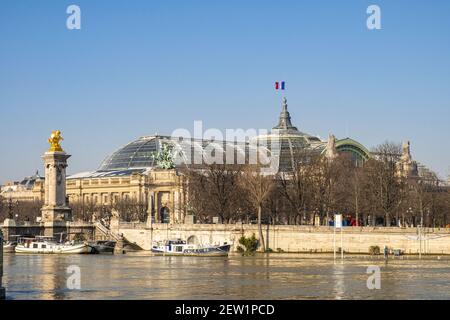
{"x":130,"y":209}
{"x":259,"y":188}
{"x":385,"y":185}
{"x":215,"y":190}
{"x":296,"y":185}
{"x":332,"y":185}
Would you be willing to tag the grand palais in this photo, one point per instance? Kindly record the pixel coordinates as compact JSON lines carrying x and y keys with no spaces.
{"x":132,"y":172}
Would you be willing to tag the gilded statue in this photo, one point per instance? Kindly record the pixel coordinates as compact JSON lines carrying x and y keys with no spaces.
{"x":55,"y":141}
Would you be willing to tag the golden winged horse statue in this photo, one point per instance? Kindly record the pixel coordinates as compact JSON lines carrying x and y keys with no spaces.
{"x":55,"y":141}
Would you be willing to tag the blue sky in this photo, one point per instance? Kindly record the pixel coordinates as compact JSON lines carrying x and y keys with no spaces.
{"x":140,"y":67}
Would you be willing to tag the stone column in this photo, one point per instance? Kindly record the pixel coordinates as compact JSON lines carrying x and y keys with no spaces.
{"x":176,"y":206}
{"x":157,"y":208}
{"x":2,"y":290}
{"x":55,"y":212}
{"x":151,"y":197}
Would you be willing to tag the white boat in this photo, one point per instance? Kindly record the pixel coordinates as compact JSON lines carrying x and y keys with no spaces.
{"x":182,"y":248}
{"x":10,"y":245}
{"x":46,"y":245}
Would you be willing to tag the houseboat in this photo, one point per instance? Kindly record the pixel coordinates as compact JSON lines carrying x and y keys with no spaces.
{"x":47,"y":245}
{"x":182,"y":248}
{"x":10,"y":245}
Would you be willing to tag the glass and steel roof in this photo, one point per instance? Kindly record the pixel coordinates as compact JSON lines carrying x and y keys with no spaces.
{"x":185,"y":151}
{"x":283,"y":142}
{"x":136,"y":154}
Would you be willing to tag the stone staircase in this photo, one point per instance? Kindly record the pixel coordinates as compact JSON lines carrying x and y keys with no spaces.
{"x":103,"y":232}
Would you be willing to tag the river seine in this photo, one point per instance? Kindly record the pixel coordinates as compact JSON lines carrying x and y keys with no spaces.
{"x":277,"y":276}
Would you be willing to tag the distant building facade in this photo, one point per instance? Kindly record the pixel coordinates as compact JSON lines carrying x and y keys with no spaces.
{"x":133,"y":173}
{"x":29,"y":189}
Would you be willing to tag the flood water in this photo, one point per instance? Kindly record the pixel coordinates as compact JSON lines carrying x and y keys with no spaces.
{"x":277,"y":276}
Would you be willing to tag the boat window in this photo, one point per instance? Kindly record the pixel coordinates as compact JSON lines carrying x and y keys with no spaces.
{"x":44,"y":246}
{"x":35,"y":246}
{"x":178,"y":248}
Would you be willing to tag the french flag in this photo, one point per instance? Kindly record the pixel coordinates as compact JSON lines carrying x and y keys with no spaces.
{"x":280,"y":85}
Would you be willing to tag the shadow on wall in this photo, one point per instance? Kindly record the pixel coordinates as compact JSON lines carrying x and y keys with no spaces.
{"x":192,"y":240}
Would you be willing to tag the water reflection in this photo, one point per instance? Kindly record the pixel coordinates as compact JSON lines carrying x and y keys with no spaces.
{"x":275,"y":276}
{"x":339,"y":284}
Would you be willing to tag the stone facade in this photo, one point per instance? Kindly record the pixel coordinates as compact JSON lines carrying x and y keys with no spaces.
{"x":29,"y":189}
{"x":72,"y":228}
{"x":106,"y":190}
{"x":167,"y":196}
{"x":55,"y":207}
{"x":162,"y":191}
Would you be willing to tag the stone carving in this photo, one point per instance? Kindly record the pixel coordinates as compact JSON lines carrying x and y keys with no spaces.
{"x":115,"y":214}
{"x":406,"y":167}
{"x":406,"y":152}
{"x":59,"y":177}
{"x":331,"y":151}
{"x":164,"y":158}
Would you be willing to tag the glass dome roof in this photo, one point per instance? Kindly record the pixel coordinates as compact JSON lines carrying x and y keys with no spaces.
{"x":282,"y":144}
{"x":136,"y":154}
{"x":139,"y":153}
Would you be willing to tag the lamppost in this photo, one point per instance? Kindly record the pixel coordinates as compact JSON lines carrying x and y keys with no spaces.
{"x":10,"y":205}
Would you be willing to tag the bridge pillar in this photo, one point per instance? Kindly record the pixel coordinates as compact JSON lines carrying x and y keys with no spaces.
{"x":55,"y":211}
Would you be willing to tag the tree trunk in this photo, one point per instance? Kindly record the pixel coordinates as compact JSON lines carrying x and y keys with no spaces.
{"x":261,"y":237}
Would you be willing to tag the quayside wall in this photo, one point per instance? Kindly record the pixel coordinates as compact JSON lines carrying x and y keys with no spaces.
{"x":294,"y":239}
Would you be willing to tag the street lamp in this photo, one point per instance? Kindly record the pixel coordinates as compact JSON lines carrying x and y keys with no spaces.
{"x":11,"y":206}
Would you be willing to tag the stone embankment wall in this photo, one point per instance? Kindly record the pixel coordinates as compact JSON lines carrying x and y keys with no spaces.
{"x":11,"y":228}
{"x":297,"y":238}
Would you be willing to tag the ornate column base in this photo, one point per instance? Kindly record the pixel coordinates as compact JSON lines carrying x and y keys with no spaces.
{"x":56,"y":214}
{"x":54,"y":228}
